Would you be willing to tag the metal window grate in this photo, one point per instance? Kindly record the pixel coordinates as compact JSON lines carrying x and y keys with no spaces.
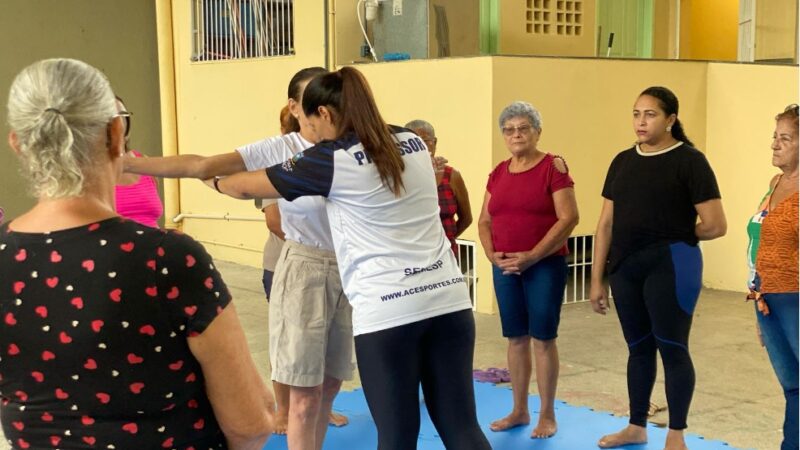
{"x":240,"y":29}
{"x":579,"y":266}
{"x":466,"y":261}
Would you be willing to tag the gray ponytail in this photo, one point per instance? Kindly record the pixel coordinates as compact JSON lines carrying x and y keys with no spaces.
{"x":59,"y":109}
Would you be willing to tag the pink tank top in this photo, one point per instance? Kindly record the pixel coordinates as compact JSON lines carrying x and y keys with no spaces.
{"x":140,"y":201}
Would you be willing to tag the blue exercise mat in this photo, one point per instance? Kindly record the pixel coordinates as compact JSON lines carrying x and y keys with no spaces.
{"x":579,"y":427}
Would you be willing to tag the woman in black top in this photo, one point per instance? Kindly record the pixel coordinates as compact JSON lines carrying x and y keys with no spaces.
{"x":647,"y":239}
{"x":113,"y":334}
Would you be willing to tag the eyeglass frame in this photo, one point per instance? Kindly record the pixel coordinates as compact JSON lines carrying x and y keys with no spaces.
{"x":522,"y":129}
{"x":126,"y":115}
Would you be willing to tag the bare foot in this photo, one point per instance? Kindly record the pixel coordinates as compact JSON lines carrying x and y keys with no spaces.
{"x":510,"y":421}
{"x":675,"y":441}
{"x":545,"y":428}
{"x":632,"y":434}
{"x":281,"y":422}
{"x":337,"y":420}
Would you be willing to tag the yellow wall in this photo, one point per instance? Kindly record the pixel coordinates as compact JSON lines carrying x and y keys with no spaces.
{"x":585,"y":103}
{"x":665,"y":16}
{"x":709,"y":29}
{"x":221,"y":105}
{"x":514,"y":39}
{"x":776,"y":30}
{"x":740,"y":124}
{"x":586,"y":110}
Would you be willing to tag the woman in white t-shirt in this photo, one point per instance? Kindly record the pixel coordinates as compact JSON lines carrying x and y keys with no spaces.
{"x":311,"y":335}
{"x":411,"y":309}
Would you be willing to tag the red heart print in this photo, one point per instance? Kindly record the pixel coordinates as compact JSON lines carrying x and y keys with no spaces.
{"x":190,"y":310}
{"x":23,"y":443}
{"x":209,"y":283}
{"x":55,"y":440}
{"x":167,"y":443}
{"x":148,"y":330}
{"x":131,"y":428}
{"x":64,"y":338}
{"x":115,"y":295}
{"x":96,"y":325}
{"x":18,"y":287}
{"x":173,"y":293}
{"x":151,"y":264}
{"x":168,"y":407}
{"x":88,"y":265}
{"x":10,"y":320}
{"x":152,"y":291}
{"x":52,"y":282}
{"x":21,"y":395}
{"x":134,"y":359}
{"x":77,"y":302}
{"x":89,"y":440}
{"x":55,"y":257}
{"x":103,"y":397}
{"x":94,"y":226}
{"x":18,"y":425}
{"x":160,"y":251}
{"x":137,"y":387}
{"x":13,"y":349}
{"x":38,"y":376}
{"x":176,"y":365}
{"x":127,"y":247}
{"x":41,"y":311}
{"x":86,"y":420}
{"x":199,"y":424}
{"x":21,"y":255}
{"x":90,"y":364}
{"x":47,"y":417}
{"x":192,"y":403}
{"x":190,"y":261}
{"x":191,"y":377}
{"x":61,"y":394}
{"x":47,"y":355}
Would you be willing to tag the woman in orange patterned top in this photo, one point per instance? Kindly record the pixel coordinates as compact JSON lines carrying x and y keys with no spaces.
{"x":772,"y":254}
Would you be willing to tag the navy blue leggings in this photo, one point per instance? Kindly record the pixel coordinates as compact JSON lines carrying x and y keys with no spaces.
{"x":436,"y":353}
{"x":655,"y":291}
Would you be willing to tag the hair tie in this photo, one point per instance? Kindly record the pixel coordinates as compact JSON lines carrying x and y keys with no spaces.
{"x":54,"y":110}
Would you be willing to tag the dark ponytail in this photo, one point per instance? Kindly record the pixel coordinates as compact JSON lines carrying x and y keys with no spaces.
{"x":669,"y":103}
{"x":348,"y":95}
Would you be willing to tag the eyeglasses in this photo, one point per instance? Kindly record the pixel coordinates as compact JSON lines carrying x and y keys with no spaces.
{"x":511,"y":131}
{"x":127,"y":116}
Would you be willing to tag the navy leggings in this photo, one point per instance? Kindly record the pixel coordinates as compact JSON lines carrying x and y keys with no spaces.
{"x":437,"y":353}
{"x":655,"y":291}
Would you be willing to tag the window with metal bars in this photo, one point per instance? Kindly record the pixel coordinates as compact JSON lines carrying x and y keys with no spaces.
{"x":241,"y":29}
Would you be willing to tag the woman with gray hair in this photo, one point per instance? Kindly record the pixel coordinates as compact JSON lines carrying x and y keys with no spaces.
{"x":114,"y":334}
{"x":528,"y":213}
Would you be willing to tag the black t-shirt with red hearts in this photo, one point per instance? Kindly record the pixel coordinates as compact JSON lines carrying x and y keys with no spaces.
{"x":94,"y":322}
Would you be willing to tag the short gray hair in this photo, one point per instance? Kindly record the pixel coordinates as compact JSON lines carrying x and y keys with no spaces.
{"x":58,"y":109}
{"x":420,"y":124}
{"x":521,"y":109}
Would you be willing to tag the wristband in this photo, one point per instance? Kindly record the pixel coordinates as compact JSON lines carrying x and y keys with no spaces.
{"x":216,"y":184}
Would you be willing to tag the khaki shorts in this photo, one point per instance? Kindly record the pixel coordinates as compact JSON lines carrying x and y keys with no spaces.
{"x":310,"y":319}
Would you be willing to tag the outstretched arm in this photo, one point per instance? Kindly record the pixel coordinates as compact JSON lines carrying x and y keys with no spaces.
{"x":245,"y":185}
{"x":186,"y":166}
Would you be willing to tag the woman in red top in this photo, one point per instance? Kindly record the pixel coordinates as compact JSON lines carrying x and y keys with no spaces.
{"x":528,"y":213}
{"x":454,"y":208}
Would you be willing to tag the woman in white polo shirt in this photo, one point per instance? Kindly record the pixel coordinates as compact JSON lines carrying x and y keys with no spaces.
{"x":309,"y":317}
{"x":411,"y":309}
